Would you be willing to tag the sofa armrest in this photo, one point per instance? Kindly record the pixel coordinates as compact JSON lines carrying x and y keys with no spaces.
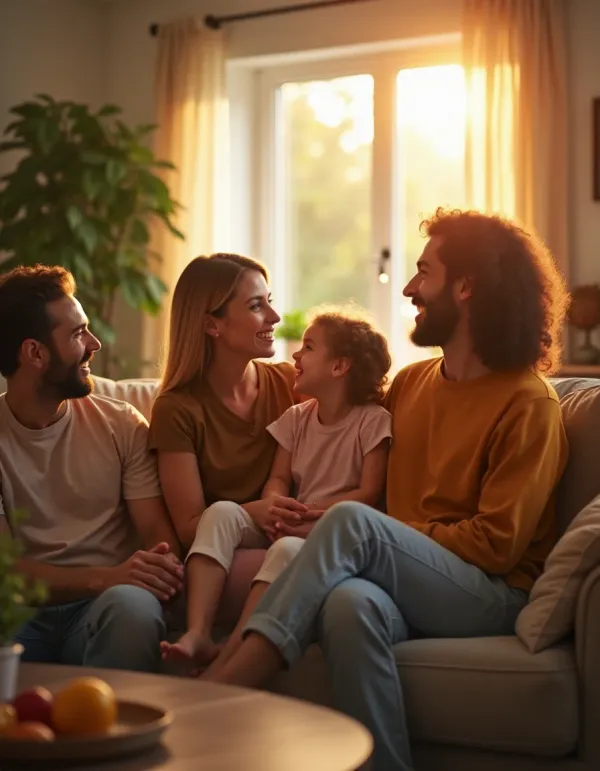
{"x":587,"y":645}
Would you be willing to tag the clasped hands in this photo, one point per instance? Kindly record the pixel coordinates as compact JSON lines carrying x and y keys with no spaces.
{"x":282,"y":516}
{"x":157,"y":570}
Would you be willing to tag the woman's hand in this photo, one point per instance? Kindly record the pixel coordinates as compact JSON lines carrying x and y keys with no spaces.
{"x":277,"y":508}
{"x":300,"y":529}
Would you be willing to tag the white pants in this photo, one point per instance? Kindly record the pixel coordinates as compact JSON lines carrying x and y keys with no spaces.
{"x":226,"y":526}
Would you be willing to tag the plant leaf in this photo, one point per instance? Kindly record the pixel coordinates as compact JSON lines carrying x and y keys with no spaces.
{"x":74,"y":217}
{"x":107,"y":110}
{"x":88,"y":235}
{"x":17,"y":145}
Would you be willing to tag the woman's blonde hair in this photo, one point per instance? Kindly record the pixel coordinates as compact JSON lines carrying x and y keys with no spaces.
{"x":351,"y":334}
{"x":204,"y":289}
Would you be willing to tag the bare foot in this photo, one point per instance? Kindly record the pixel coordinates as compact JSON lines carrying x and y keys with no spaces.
{"x":192,"y":648}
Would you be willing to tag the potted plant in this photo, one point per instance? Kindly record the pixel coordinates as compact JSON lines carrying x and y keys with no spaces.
{"x":18,"y":598}
{"x":291,"y":329}
{"x":83,"y":195}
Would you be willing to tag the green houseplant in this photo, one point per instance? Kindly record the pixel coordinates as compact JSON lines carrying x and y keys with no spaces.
{"x":291,"y":330}
{"x":83,"y":194}
{"x":292,"y":326}
{"x":18,"y":598}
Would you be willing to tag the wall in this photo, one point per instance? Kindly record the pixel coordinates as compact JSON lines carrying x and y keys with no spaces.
{"x":584,"y":85}
{"x":52,"y":46}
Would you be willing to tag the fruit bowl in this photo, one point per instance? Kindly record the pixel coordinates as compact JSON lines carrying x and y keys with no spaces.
{"x":83,"y":721}
{"x":138,"y":729}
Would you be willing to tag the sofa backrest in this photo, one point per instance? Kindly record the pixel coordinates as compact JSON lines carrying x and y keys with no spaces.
{"x":140,"y":392}
{"x":580,"y":402}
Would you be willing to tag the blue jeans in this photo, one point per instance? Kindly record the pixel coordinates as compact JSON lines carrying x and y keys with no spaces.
{"x":362,"y":583}
{"x":120,"y":629}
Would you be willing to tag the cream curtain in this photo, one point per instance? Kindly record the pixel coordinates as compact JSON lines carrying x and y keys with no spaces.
{"x":514,"y":53}
{"x":192,"y":116}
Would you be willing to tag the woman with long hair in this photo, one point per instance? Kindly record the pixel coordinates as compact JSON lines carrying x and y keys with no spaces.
{"x":218,"y":395}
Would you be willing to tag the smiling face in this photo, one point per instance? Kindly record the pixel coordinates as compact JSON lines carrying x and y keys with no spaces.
{"x":434,"y":297}
{"x":316,"y":368}
{"x":66,"y":366}
{"x":246,"y":326}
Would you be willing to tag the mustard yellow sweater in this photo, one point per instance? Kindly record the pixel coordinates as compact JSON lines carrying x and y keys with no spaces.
{"x":474,"y":465}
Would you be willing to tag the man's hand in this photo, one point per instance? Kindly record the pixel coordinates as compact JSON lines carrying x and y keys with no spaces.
{"x":278,"y":508}
{"x":157,"y":570}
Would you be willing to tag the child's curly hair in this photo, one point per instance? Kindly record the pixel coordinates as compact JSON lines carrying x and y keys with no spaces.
{"x":352,"y":335}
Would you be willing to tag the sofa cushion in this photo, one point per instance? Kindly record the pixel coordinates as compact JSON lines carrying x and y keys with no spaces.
{"x":549,"y":615}
{"x":486,"y":692}
{"x":580,"y":483}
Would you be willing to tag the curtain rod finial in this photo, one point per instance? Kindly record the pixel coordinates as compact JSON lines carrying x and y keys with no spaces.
{"x":212,"y":22}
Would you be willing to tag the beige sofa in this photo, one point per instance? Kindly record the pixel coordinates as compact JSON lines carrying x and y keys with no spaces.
{"x":487,"y":704}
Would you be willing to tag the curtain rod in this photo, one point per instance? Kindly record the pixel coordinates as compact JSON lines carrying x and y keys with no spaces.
{"x":216,"y":22}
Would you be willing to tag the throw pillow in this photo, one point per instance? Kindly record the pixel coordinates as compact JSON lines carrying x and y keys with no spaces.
{"x":550,"y":614}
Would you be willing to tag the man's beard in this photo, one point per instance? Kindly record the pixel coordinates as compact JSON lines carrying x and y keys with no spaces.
{"x":438,"y":323}
{"x":65,"y":381}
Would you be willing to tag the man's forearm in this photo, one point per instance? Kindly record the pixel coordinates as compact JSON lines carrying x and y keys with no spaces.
{"x":66,"y":584}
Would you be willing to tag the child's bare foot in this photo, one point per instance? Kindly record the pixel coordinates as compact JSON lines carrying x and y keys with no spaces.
{"x":192,"y":648}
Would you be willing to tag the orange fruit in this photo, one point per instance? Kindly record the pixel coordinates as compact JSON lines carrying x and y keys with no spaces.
{"x":8,"y":717}
{"x":86,"y":705}
{"x":35,"y":732}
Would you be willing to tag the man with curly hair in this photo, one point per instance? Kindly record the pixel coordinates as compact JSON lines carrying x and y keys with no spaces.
{"x":478,"y":449}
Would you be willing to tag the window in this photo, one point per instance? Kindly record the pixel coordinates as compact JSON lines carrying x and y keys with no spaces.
{"x":327,"y":159}
{"x":352,"y":152}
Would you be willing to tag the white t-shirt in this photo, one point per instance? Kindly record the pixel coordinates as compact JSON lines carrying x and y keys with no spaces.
{"x":328,"y":460}
{"x":73,"y":479}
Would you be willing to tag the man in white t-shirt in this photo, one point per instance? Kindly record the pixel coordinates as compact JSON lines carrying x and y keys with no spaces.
{"x":96,"y":530}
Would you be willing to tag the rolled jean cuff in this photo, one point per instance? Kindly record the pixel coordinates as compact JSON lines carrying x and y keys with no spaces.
{"x":277,"y":634}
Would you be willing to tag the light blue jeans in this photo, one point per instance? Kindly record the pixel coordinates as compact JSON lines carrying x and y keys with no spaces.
{"x":362,"y":583}
{"x":120,"y":629}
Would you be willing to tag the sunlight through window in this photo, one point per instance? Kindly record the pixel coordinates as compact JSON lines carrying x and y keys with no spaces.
{"x":429,"y":172}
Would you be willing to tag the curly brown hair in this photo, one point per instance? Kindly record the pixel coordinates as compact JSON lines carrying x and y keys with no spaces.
{"x":350,"y":334}
{"x":25,"y":293}
{"x":519,"y":298}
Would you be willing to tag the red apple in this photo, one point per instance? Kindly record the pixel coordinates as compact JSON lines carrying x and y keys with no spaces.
{"x":34,"y":706}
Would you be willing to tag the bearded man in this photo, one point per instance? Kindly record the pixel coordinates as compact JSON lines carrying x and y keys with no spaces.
{"x":478,"y":449}
{"x":96,"y":530}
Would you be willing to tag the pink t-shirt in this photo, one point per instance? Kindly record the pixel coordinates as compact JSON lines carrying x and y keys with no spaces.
{"x":328,"y":460}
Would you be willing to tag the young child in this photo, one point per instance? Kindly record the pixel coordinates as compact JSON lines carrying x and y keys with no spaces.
{"x":332,"y":447}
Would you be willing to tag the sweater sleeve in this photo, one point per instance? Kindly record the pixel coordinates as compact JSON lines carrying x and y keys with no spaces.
{"x":527,"y":456}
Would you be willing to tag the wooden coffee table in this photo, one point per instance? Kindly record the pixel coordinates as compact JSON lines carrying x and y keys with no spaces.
{"x":222,"y":728}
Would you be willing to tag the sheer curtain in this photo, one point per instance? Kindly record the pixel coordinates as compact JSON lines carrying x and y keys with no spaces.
{"x":192,"y":116}
{"x":514,"y":54}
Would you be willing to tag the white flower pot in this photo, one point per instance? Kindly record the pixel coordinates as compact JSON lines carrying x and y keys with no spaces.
{"x":10,"y":656}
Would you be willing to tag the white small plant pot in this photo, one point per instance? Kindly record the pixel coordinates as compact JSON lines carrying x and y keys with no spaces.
{"x":10,"y":655}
